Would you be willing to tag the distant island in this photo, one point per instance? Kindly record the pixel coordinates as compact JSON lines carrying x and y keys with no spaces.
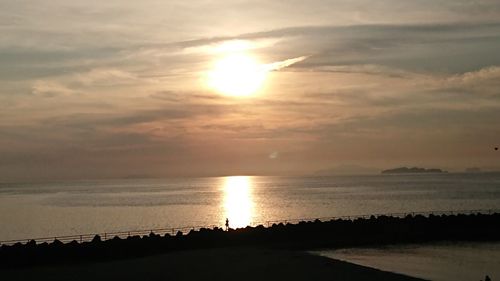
{"x":414,"y":170}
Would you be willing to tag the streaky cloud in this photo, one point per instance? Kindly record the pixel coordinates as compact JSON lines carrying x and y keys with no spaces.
{"x":275,"y":66}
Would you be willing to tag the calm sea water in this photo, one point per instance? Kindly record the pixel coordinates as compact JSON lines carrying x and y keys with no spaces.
{"x":67,"y":208}
{"x":438,"y":262}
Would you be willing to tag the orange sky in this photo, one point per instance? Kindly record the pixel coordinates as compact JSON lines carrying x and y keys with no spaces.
{"x":118,"y":89}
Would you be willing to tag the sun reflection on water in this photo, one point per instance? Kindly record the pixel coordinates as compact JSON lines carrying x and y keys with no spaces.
{"x":238,"y":204}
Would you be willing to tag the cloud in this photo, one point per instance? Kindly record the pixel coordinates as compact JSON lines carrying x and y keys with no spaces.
{"x":275,"y":66}
{"x":386,"y":76}
{"x":49,"y":89}
{"x":371,"y":69}
{"x":472,"y":86}
{"x":411,"y":47}
{"x":106,"y":77}
{"x":477,"y":78}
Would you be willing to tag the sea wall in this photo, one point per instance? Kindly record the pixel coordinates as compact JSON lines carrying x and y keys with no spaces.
{"x":338,"y":233}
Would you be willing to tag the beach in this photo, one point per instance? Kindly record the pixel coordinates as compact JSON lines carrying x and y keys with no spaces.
{"x":210,"y":264}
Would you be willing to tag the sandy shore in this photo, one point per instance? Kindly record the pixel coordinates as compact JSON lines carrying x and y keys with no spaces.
{"x":211,"y":264}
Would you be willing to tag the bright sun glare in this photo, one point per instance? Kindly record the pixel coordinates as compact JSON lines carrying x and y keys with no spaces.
{"x":238,"y":204}
{"x":237,"y":75}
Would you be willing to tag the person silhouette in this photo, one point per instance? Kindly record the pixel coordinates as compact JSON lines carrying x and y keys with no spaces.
{"x":487,"y":278}
{"x":227,"y":224}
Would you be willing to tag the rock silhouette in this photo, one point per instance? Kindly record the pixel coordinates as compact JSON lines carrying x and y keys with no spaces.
{"x":337,"y":233}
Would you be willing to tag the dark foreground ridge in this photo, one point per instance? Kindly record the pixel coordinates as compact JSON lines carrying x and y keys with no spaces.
{"x":337,"y":233}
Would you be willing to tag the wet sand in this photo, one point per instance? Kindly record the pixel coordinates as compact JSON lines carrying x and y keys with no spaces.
{"x":210,"y":264}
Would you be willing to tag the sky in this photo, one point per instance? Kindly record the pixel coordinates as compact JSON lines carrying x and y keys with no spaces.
{"x":110,"y":89}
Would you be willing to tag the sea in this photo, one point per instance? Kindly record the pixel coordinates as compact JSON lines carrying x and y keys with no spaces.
{"x":51,"y":209}
{"x":438,"y":261}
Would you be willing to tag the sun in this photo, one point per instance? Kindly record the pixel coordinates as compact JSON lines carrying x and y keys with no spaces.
{"x":237,"y":75}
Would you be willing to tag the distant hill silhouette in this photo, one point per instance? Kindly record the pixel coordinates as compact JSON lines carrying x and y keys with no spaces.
{"x":414,"y":170}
